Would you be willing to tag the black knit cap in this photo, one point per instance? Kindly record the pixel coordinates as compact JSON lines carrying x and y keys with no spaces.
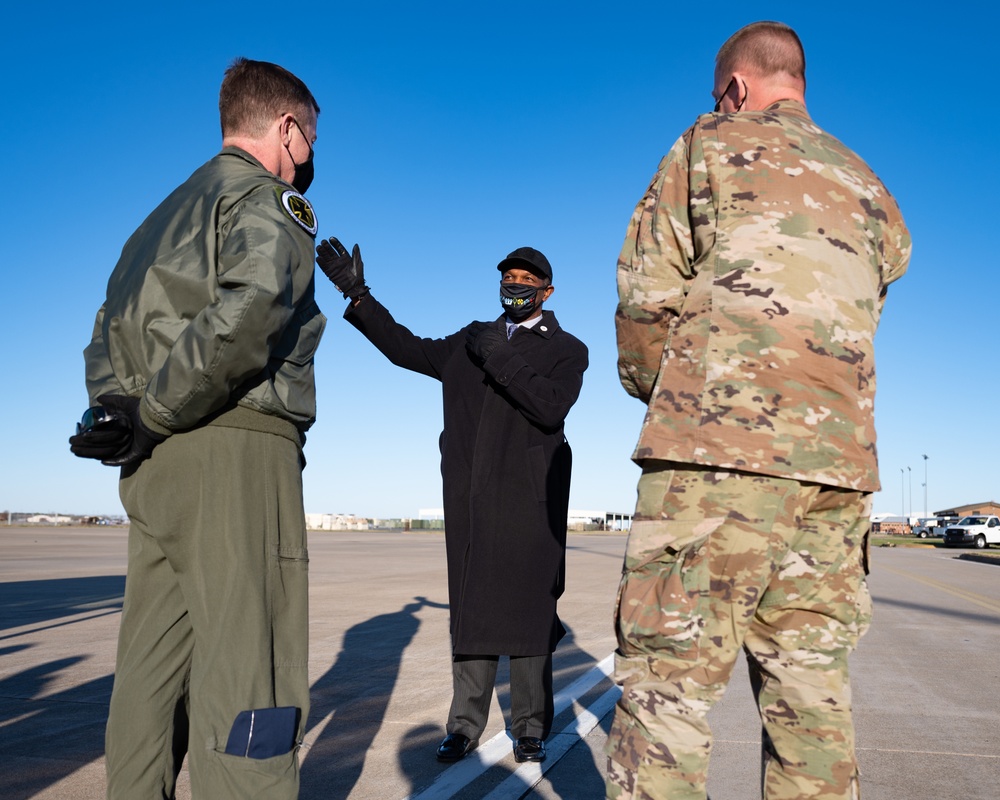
{"x":530,"y":257}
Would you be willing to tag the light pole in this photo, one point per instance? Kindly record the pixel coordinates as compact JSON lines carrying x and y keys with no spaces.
{"x":927,"y":508}
{"x":909,"y":473}
{"x":902,"y":493}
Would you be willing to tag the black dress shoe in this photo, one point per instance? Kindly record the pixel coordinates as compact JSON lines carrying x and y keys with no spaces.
{"x":455,"y":747}
{"x":529,"y":748}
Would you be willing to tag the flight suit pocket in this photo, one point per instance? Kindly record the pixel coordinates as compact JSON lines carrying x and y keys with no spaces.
{"x":271,"y":778}
{"x":289,"y":592}
{"x":302,"y":338}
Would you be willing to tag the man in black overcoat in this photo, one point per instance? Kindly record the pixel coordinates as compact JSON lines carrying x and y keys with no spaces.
{"x":507,"y":386}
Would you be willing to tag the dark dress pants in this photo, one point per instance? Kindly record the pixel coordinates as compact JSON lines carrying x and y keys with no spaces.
{"x":531,"y":708}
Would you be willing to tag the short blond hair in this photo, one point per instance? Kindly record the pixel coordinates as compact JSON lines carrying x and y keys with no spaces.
{"x":764,"y":49}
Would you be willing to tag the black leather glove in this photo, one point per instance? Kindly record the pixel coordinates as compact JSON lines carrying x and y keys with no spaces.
{"x":347,"y":271}
{"x":143,"y":440}
{"x":100,"y":434}
{"x":482,"y":339}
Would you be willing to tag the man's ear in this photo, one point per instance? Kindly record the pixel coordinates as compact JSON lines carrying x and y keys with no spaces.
{"x":285,"y":124}
{"x":742,"y":91}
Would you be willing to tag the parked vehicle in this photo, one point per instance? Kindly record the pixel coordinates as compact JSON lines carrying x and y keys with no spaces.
{"x":979,"y":530}
{"x":932,"y":526}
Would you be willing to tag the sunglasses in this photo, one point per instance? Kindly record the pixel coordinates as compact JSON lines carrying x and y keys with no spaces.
{"x":95,"y":417}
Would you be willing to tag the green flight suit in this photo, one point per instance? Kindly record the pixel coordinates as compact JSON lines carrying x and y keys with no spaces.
{"x":210,"y":319}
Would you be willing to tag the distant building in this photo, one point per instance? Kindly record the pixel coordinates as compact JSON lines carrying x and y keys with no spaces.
{"x":887,"y":523}
{"x":337,"y":522}
{"x":598,"y":520}
{"x":989,"y":507}
{"x":433,"y":519}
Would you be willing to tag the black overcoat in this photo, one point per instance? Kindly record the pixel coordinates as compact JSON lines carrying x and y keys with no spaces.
{"x":505,"y":466}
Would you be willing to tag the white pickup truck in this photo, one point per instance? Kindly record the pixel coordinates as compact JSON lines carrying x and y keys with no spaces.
{"x":978,"y":530}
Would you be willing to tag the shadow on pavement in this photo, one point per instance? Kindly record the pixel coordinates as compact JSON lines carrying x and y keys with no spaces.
{"x":356,"y":690}
{"x":417,"y":758}
{"x":584,"y":779}
{"x":54,"y":735}
{"x":36,"y":602}
{"x":576,"y":777}
{"x":51,"y":736}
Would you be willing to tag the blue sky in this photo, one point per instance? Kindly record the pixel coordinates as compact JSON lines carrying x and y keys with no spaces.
{"x":450,"y":134}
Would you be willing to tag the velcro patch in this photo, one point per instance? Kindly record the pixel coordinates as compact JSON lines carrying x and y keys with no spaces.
{"x":300,"y":209}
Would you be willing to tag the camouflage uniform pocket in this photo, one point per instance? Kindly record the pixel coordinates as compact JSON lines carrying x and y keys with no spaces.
{"x":662,"y":600}
{"x":649,"y":539}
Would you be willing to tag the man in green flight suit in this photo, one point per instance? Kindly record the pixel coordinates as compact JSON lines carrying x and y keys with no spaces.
{"x":200,"y":377}
{"x":750,"y":284}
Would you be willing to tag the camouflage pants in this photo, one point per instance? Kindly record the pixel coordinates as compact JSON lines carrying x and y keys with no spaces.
{"x":717,"y":561}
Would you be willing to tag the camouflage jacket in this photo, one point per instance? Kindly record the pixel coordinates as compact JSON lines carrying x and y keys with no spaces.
{"x":750,"y":286}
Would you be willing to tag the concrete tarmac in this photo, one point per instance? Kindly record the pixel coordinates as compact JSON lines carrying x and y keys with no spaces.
{"x":926,"y":713}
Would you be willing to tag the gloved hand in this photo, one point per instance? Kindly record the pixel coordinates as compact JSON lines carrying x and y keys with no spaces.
{"x":143,"y":440}
{"x":481,"y":339}
{"x":346,"y":271}
{"x":100,"y":435}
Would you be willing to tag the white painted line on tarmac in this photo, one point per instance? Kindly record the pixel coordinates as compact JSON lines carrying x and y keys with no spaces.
{"x":529,"y":773}
{"x":490,"y":753}
{"x":583,"y":684}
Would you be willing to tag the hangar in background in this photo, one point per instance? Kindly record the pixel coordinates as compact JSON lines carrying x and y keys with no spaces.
{"x":989,"y":507}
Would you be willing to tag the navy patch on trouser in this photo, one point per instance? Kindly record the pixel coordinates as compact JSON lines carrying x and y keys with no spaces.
{"x":263,"y":732}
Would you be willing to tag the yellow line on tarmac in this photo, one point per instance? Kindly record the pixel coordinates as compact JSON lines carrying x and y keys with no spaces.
{"x":964,"y":594}
{"x":926,"y":752}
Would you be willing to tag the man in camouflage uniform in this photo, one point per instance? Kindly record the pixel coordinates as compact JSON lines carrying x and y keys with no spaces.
{"x":751,"y":283}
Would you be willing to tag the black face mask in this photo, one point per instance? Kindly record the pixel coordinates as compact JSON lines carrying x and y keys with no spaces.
{"x":303,"y":172}
{"x":303,"y":175}
{"x":519,"y":300}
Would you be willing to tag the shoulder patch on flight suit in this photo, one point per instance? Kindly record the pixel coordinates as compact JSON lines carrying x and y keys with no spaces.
{"x":300,"y":209}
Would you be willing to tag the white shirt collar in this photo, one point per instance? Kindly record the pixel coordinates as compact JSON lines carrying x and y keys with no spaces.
{"x":528,"y":323}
